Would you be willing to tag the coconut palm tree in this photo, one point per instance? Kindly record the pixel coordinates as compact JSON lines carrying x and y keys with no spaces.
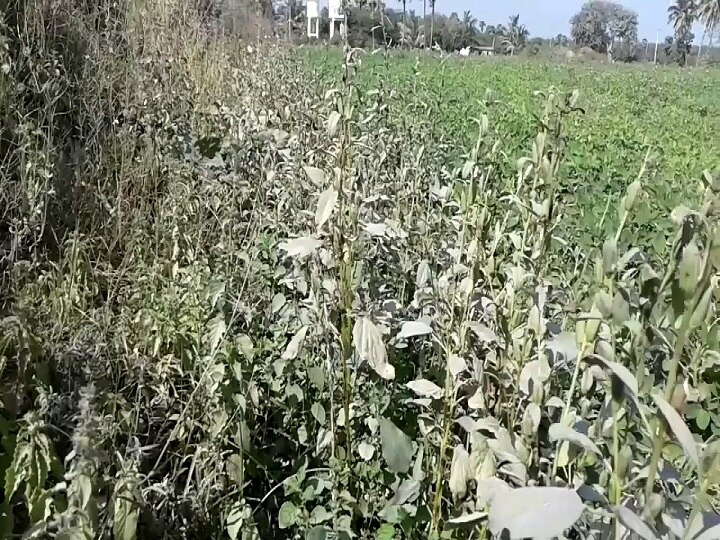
{"x":469,"y":21}
{"x":515,"y":35}
{"x":708,"y":11}
{"x":681,"y":15}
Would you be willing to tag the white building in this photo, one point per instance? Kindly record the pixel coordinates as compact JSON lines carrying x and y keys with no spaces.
{"x":337,"y":17}
{"x":313,"y":19}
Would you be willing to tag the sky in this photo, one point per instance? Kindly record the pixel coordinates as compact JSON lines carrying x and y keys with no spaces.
{"x":548,"y":18}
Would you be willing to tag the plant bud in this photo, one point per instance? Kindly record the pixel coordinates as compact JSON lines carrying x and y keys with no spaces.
{"x":624,"y":461}
{"x":633,"y":191}
{"x":610,"y":256}
{"x":655,"y":505}
{"x":592,"y":325}
{"x":538,"y":393}
{"x":689,"y":268}
{"x":604,"y":302}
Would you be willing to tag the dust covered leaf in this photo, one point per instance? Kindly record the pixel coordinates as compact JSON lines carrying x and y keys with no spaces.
{"x":369,"y":346}
{"x":679,"y":428}
{"x":300,"y":247}
{"x":634,"y":522}
{"x":293,"y":348}
{"x":561,"y":432}
{"x":414,"y":328}
{"x":325,"y":206}
{"x":535,"y":512}
{"x":366,"y":451}
{"x":459,"y":472}
{"x":396,"y":447}
{"x":425,"y":388}
{"x":316,"y":176}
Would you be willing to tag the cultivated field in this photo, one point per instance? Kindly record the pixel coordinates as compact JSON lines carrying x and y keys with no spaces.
{"x":626,"y":112}
{"x":251,"y":291}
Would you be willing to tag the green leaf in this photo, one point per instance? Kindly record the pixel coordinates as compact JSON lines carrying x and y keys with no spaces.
{"x":316,"y":533}
{"x":679,"y":428}
{"x":386,"y":532}
{"x":235,"y":469}
{"x":702,"y":419}
{"x":316,"y":375}
{"x":288,"y":515}
{"x":216,"y":331}
{"x":396,"y":447}
{"x":609,"y":255}
{"x":319,"y":515}
{"x":318,"y":411}
{"x":126,"y":511}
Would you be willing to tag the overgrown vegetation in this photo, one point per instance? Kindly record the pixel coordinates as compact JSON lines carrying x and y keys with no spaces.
{"x":242,"y":299}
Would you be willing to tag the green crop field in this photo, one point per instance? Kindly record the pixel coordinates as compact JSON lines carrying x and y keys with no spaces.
{"x":627,"y":112}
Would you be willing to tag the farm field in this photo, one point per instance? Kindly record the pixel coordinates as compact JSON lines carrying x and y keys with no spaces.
{"x":627,"y":111}
{"x":256,"y":291}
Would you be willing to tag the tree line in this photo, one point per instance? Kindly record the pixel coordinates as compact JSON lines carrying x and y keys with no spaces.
{"x":603,"y":26}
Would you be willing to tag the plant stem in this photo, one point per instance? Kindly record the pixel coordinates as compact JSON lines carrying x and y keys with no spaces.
{"x":671,"y":382}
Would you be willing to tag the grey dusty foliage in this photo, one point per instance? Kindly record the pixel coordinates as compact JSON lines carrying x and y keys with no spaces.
{"x":252,"y":291}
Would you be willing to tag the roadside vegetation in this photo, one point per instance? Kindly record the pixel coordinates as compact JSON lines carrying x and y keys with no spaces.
{"x":252,"y":291}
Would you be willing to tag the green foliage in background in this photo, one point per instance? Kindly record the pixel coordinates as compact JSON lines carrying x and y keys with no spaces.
{"x":626,"y":112}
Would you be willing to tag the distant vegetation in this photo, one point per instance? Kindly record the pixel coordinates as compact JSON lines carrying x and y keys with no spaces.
{"x":607,"y":28}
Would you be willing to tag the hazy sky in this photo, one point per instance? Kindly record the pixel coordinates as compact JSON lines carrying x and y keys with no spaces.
{"x":548,"y":18}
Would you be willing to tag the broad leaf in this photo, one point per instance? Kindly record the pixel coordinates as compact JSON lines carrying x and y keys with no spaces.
{"x":621,"y":372}
{"x":535,"y":512}
{"x":369,"y":346}
{"x":396,"y":447}
{"x":679,"y":428}
{"x":293,"y":348}
{"x":561,"y":432}
{"x":537,"y":371}
{"x":633,"y":522}
{"x":366,"y":451}
{"x":316,"y":176}
{"x":300,"y":247}
{"x":288,"y":515}
{"x":316,"y":533}
{"x":414,"y":328}
{"x":425,"y":388}
{"x":459,"y":472}
{"x":325,"y":206}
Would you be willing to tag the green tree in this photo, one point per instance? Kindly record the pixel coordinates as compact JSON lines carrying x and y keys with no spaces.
{"x":469,"y":29}
{"x":681,"y":15}
{"x":708,"y":11}
{"x":515,"y":35}
{"x":600,"y":24}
